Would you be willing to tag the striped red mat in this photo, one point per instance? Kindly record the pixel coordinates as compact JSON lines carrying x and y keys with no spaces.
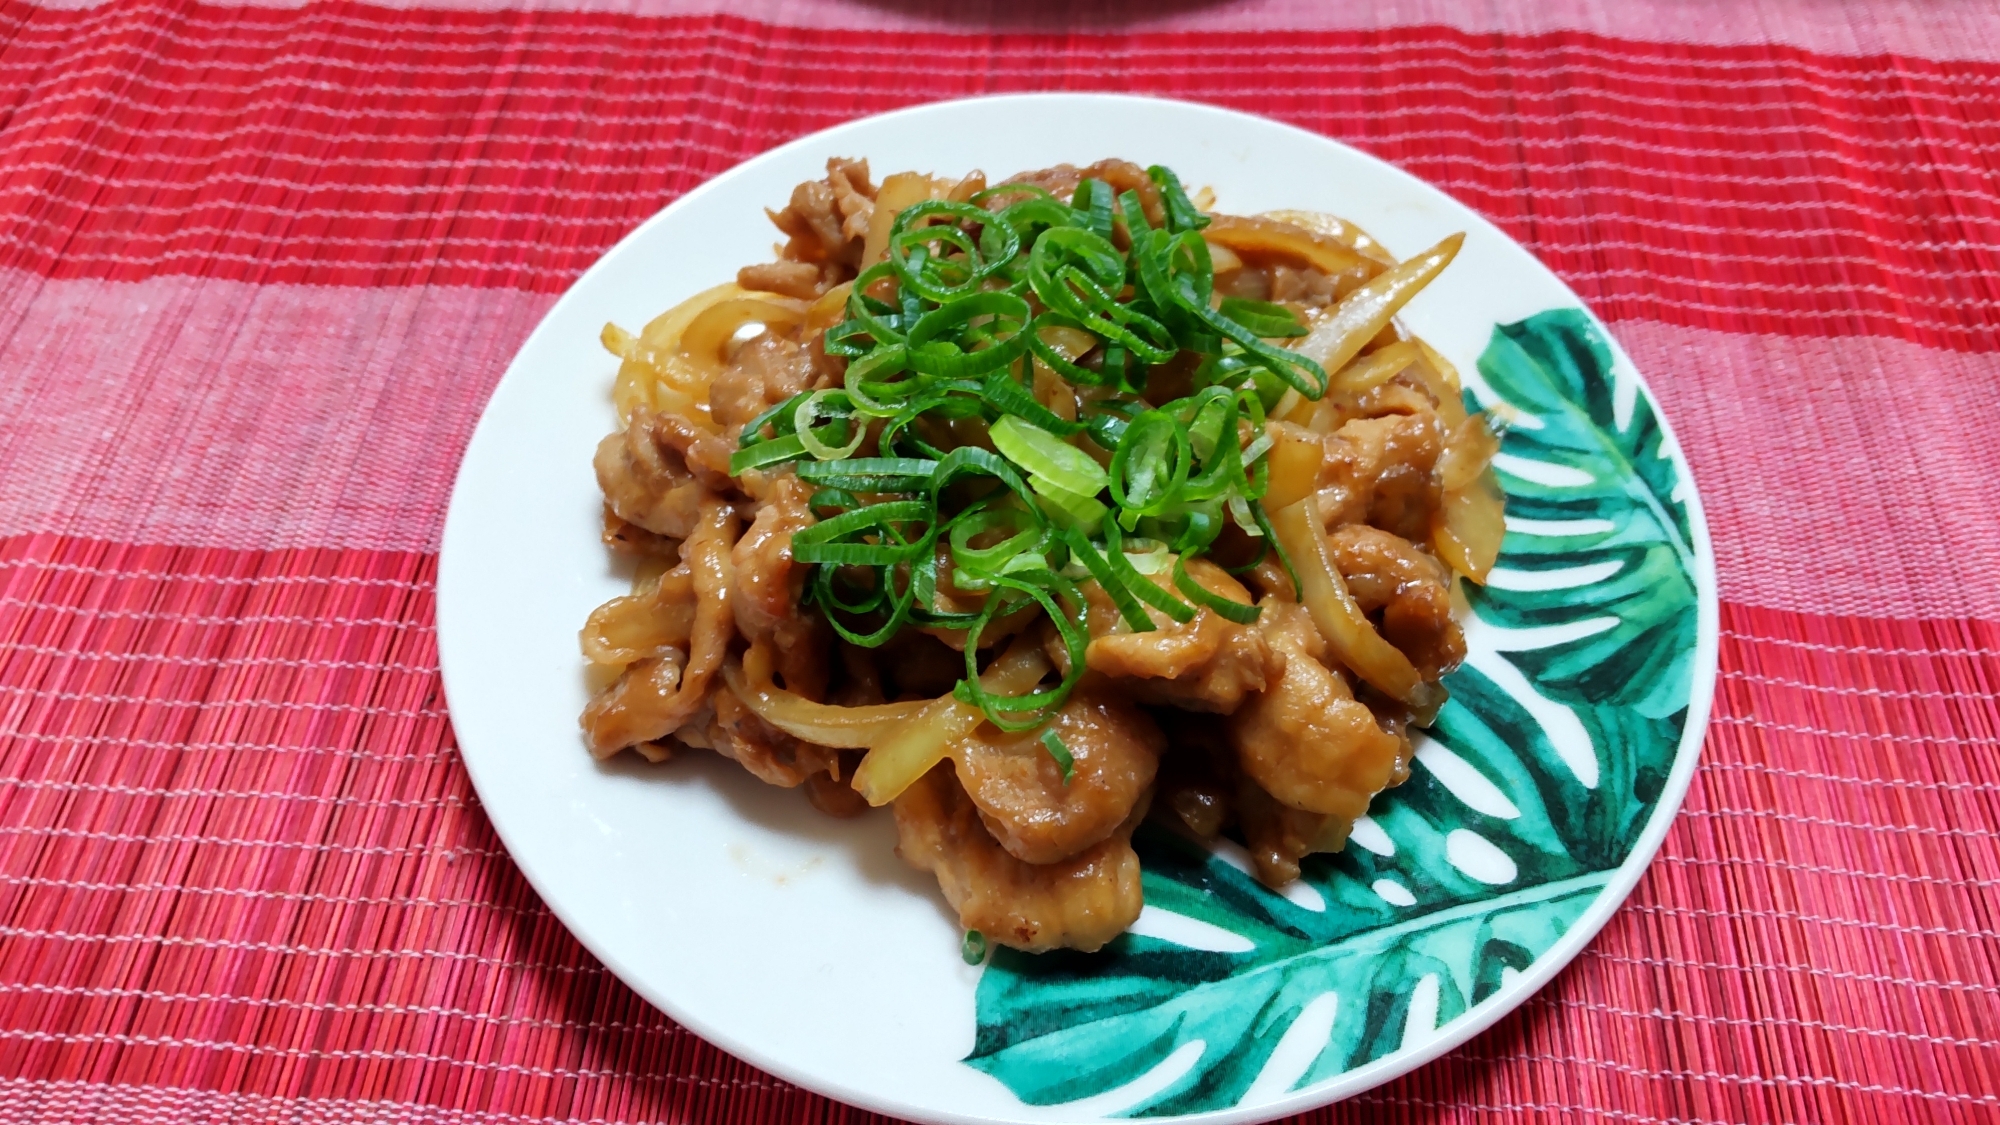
{"x":260,"y":266}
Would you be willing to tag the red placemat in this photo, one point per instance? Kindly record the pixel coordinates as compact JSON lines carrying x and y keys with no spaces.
{"x":260,"y":266}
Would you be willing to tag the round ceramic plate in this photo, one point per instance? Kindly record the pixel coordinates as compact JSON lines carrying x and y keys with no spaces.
{"x":805,"y":946}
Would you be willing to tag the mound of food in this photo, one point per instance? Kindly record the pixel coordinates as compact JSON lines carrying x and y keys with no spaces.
{"x":1036,"y":509}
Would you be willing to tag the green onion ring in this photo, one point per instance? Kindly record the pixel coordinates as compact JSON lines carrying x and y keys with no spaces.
{"x":765,"y":454}
{"x":1128,"y":486}
{"x":1114,"y":587}
{"x":808,"y":412}
{"x":1208,"y":599}
{"x":1139,"y":584}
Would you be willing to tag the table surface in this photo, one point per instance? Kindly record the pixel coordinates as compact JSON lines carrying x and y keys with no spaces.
{"x":261,"y":265}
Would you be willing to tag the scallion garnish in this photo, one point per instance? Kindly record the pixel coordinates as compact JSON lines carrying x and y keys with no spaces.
{"x":1053,"y":743}
{"x":976,"y":481}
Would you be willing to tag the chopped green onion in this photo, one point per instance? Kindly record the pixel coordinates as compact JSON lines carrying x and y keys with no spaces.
{"x":979,"y":563}
{"x":973,"y":948}
{"x":1140,"y":585}
{"x":1012,"y":189}
{"x":1239,"y":511}
{"x":1113,"y":584}
{"x":1042,"y":588}
{"x":942,"y":277}
{"x":1262,"y":317}
{"x":1093,"y":198}
{"x":871,"y":474}
{"x":778,"y":417}
{"x":765,"y":454}
{"x":808,"y":413}
{"x":1181,"y":212}
{"x":870,"y":376}
{"x":1134,"y":213}
{"x":1044,"y":455}
{"x":832,"y":501}
{"x":1053,"y":743}
{"x":941,"y":344}
{"x":1009,"y":397}
{"x":870,"y":536}
{"x":1208,"y":599}
{"x":1055,"y":360}
{"x":1257,"y":448}
{"x":1069,"y":509}
{"x":958,"y":313}
{"x":1147,"y":556}
{"x":1150,"y":464}
{"x":972,"y":461}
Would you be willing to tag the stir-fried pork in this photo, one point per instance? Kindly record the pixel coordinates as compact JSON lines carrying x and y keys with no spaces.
{"x":1077,"y":903}
{"x":1020,"y":791}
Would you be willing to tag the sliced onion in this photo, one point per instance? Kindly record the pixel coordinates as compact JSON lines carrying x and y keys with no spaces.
{"x":923,"y":740}
{"x":662,"y":334}
{"x":654,"y":376}
{"x":1051,"y":389}
{"x":642,"y":385}
{"x":1296,"y":458}
{"x":617,"y":341}
{"x":705,"y":343}
{"x":1444,"y":368}
{"x":638,"y":625}
{"x":1441,"y":379}
{"x":899,"y":191}
{"x":830,"y":309}
{"x":823,"y":724}
{"x":1347,"y":630}
{"x":1222,"y":259}
{"x":1374,"y":369}
{"x":1364,"y":313}
{"x":1273,"y":236}
{"x":1055,"y":392}
{"x":1338,"y":229}
{"x":1468,"y":449}
{"x":1467,"y":529}
{"x":1069,"y":343}
{"x":1288,"y":403}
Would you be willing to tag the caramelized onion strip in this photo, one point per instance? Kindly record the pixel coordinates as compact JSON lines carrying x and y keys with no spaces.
{"x":1296,"y":458}
{"x":1273,"y":236}
{"x":706,"y":341}
{"x":638,"y":625}
{"x":1374,"y":369}
{"x":1468,"y":449}
{"x":1338,"y":229}
{"x":1364,"y":313}
{"x":1441,"y":379}
{"x":898,"y":193}
{"x":1347,"y":630}
{"x":1469,"y":525}
{"x":821,"y":723}
{"x":653,"y":375}
{"x":923,"y":740}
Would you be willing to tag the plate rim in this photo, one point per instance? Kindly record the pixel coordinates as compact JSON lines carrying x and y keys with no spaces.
{"x":1476,"y":1019}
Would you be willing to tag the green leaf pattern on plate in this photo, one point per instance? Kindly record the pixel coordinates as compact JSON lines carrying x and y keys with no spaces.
{"x":1537,"y":781}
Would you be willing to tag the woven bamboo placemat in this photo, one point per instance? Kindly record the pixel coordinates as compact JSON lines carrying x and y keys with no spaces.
{"x":260,"y":266}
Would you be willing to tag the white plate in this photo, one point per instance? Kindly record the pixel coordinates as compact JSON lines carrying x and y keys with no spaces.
{"x":805,"y":946}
